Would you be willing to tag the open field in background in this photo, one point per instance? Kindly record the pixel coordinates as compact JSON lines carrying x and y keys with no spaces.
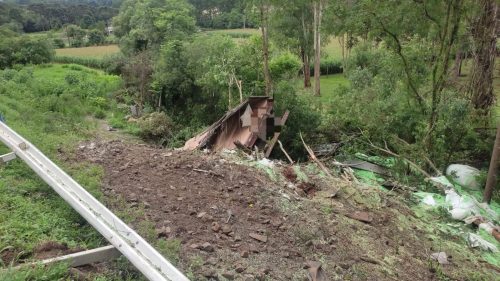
{"x":94,"y":51}
{"x":333,"y":49}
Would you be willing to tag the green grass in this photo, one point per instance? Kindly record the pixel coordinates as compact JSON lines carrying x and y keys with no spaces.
{"x":330,"y":86}
{"x":50,"y":110}
{"x":333,"y":49}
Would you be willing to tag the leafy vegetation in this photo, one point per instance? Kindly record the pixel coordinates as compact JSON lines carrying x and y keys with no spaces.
{"x":49,"y":105}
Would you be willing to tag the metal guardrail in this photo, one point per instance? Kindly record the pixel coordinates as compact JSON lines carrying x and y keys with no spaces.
{"x":142,"y":255}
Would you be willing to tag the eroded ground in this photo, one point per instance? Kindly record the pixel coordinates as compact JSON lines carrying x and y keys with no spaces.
{"x":221,"y":220}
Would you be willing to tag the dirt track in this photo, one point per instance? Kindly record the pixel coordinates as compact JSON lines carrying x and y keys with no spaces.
{"x":233,"y":222}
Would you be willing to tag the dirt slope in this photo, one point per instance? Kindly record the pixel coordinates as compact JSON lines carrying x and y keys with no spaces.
{"x":234,"y":222}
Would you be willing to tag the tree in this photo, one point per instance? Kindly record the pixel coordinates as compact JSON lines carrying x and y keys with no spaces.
{"x":146,"y":24}
{"x":96,"y":37}
{"x":293,"y":25}
{"x":318,"y":6}
{"x":484,"y":34}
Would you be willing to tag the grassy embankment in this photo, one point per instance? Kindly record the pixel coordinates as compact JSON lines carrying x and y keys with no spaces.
{"x":50,"y":106}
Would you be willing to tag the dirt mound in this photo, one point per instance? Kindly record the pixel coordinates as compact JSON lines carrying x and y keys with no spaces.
{"x":233,"y":222}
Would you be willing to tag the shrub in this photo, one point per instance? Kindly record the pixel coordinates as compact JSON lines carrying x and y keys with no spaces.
{"x":111,"y":64}
{"x":303,"y":118}
{"x":58,"y":43}
{"x":24,"y":50}
{"x":285,"y":66}
{"x":156,"y":126}
{"x":328,"y":66}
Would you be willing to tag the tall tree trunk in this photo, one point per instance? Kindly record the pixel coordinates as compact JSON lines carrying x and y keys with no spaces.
{"x":317,"y":46}
{"x":485,"y":37}
{"x":264,"y":13}
{"x":306,"y":68}
{"x":457,"y":68}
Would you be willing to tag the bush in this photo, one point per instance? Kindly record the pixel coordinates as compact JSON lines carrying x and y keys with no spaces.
{"x":156,"y":126}
{"x":58,"y":43}
{"x":285,"y":66}
{"x":303,"y":118}
{"x":381,"y":106}
{"x":328,"y":66}
{"x":112,"y":64}
{"x":24,"y":50}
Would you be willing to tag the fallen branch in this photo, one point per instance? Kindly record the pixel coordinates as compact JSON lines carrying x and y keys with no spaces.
{"x":388,"y":151}
{"x":284,"y":151}
{"x":208,"y":172}
{"x":314,"y":158}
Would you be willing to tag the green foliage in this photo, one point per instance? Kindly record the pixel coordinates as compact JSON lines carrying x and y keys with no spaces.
{"x":381,"y":106}
{"x":96,"y":37}
{"x":285,"y":66}
{"x":112,"y":64}
{"x":156,"y":126}
{"x":24,"y":50}
{"x":329,"y":66}
{"x":147,"y":24}
{"x":40,"y":104}
{"x":303,"y":118}
{"x":58,"y":43}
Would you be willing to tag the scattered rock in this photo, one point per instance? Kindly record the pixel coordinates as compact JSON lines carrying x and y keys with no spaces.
{"x":361,"y":216}
{"x":369,"y":260}
{"x":207,"y":247}
{"x":209,"y":273}
{"x":244,"y":254}
{"x":441,"y":257}
{"x":228,"y":275}
{"x":163,"y":231}
{"x":240,"y":268}
{"x":201,"y":215}
{"x":216,"y":227}
{"x":226,"y":229}
{"x":258,"y":237}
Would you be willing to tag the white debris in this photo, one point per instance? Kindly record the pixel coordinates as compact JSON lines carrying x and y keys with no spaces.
{"x":266,"y":162}
{"x":476,"y":241}
{"x":429,"y":200}
{"x":461,"y":206}
{"x":464,"y":175}
{"x":441,"y":257}
{"x":487,"y":226}
{"x":441,"y":181}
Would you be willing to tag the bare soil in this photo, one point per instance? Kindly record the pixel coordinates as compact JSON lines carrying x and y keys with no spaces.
{"x":234,"y":222}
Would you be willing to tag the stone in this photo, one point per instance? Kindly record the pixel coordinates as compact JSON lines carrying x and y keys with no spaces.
{"x":207,"y":247}
{"x":361,"y":216}
{"x":244,"y":254}
{"x":228,"y":275}
{"x":226,"y":229}
{"x":258,"y":237}
{"x":216,"y":227}
{"x":201,"y":215}
{"x":240,"y":268}
{"x":163,"y":231}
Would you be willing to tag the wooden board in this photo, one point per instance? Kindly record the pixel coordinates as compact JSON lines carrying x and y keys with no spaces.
{"x":7,"y":157}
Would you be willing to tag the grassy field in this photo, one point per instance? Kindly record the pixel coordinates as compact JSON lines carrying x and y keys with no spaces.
{"x":333,"y":49}
{"x":93,"y":52}
{"x":49,"y":105}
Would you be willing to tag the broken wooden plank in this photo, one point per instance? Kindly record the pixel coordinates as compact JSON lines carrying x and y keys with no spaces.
{"x":367,"y":166}
{"x":271,"y":144}
{"x":101,"y":254}
{"x":7,"y":157}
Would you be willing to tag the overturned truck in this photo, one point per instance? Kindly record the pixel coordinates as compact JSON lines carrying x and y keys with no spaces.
{"x":252,"y":124}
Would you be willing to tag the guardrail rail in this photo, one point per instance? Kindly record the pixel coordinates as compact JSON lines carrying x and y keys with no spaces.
{"x":139,"y":252}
